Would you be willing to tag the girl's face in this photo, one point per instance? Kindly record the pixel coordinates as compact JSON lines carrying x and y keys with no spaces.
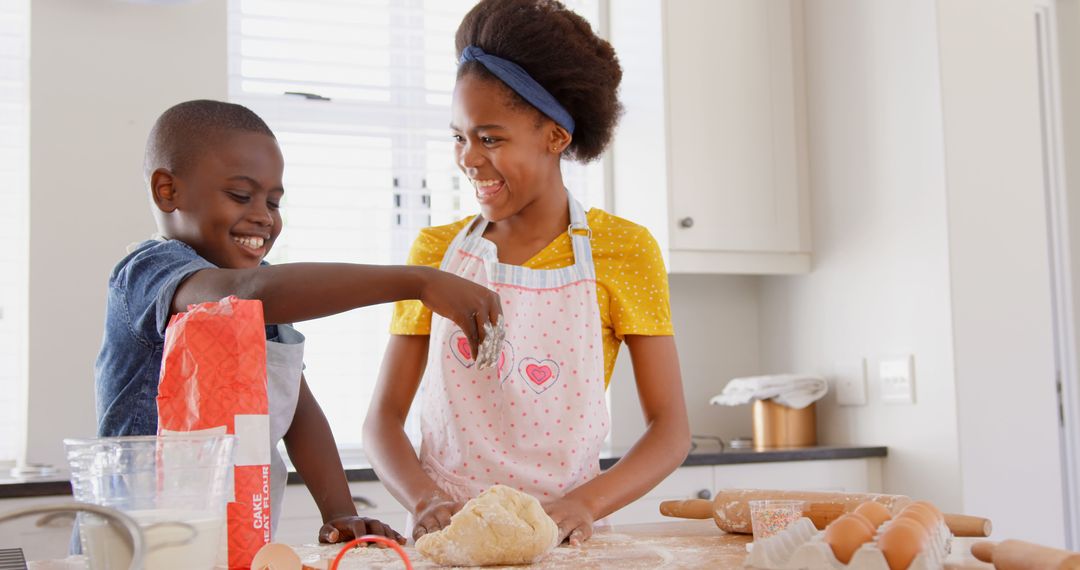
{"x":509,"y":151}
{"x":226,"y":208}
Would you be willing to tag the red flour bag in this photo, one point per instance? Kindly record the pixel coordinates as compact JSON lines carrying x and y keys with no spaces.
{"x":213,"y":378}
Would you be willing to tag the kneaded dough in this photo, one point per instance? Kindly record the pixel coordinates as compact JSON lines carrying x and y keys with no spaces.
{"x":501,"y":526}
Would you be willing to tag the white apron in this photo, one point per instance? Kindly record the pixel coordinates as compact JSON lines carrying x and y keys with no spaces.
{"x":284,"y":365}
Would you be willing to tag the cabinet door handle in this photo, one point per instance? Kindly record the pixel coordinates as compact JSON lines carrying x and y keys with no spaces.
{"x":362,"y":503}
{"x":687,"y":222}
{"x":704,"y":494}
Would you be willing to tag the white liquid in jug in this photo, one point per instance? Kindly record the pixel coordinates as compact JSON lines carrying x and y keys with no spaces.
{"x":104,"y":546}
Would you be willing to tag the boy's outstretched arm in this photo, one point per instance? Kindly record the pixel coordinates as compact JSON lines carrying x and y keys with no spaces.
{"x":294,"y":292}
{"x":313,"y":452}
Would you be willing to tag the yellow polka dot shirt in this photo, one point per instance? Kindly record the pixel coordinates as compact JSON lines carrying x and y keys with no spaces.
{"x":632,"y":285}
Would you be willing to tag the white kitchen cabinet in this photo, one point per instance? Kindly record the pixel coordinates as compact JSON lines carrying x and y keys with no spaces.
{"x":853,"y":475}
{"x":300,"y":520}
{"x":685,"y":483}
{"x":711,"y":154}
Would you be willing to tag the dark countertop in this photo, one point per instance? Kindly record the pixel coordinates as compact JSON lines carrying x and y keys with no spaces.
{"x":359,"y":470}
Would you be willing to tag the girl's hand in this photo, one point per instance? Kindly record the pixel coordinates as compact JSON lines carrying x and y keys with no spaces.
{"x":469,"y":305}
{"x":574,"y":519}
{"x":433,"y":513}
{"x":344,"y":529}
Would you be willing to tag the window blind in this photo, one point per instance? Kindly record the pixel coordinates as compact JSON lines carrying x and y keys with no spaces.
{"x":14,"y":193}
{"x":358,"y":93}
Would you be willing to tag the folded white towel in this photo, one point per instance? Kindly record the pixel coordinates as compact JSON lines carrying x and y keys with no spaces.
{"x":791,"y":390}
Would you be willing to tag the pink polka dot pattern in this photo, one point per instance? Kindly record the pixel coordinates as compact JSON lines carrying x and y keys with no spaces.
{"x":631,"y":292}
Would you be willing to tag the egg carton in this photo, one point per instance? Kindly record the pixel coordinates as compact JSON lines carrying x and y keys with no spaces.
{"x":802,"y":547}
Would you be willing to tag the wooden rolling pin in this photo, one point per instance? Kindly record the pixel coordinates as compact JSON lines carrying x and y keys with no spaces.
{"x":730,"y":509}
{"x":1020,"y":555}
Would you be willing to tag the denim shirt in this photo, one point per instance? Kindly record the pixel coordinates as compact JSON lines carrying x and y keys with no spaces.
{"x":127,"y":370}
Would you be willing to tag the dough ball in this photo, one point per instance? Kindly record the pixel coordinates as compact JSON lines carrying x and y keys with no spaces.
{"x":501,"y":526}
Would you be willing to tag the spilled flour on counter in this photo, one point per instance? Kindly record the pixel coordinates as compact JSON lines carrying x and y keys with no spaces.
{"x":605,"y":550}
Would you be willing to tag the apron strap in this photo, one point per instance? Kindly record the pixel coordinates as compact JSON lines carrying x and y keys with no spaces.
{"x":578,"y":230}
{"x":580,"y":238}
{"x":478,"y":222}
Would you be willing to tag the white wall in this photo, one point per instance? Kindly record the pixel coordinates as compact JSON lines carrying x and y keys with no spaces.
{"x":1003,"y":343}
{"x":880,"y":284}
{"x":1068,"y":33}
{"x":930,"y":234}
{"x":101,"y":72}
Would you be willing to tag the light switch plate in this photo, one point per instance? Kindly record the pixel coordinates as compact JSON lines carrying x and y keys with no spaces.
{"x":897,"y":376}
{"x":850,"y":378}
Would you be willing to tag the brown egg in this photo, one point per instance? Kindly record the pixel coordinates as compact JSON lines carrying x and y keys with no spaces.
{"x":931,"y":507}
{"x":845,"y":535}
{"x":901,"y":542}
{"x":869,"y":525}
{"x":875,"y":512}
{"x":274,"y":556}
{"x":921,"y":516}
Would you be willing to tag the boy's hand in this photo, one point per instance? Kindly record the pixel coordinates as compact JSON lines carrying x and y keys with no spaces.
{"x":469,"y":305}
{"x":433,"y":513}
{"x":344,"y":529}
{"x":573,"y":518}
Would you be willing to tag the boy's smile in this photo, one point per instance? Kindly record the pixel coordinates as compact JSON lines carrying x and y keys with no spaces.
{"x":225,"y":205}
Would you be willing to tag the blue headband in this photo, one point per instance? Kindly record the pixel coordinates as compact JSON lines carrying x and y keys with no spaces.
{"x":522,"y":83}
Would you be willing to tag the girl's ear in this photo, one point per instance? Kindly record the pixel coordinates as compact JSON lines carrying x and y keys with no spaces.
{"x":558,"y":138}
{"x":163,"y":190}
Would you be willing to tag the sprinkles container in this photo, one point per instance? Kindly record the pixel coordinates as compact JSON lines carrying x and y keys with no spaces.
{"x":768,"y":517}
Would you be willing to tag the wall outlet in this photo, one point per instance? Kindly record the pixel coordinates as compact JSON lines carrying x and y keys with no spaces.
{"x":897,"y":377}
{"x":851,"y":383}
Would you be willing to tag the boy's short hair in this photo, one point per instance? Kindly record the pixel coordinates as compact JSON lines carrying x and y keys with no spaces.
{"x":191,"y":127}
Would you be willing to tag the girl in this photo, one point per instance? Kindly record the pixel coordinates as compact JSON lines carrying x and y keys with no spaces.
{"x":534,"y":84}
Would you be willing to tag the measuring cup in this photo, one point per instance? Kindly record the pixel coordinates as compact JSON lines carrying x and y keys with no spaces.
{"x":175,"y":487}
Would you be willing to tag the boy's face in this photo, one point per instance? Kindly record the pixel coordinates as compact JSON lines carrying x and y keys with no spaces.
{"x":226,"y":205}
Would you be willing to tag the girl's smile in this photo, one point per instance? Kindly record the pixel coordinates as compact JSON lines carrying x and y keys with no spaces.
{"x":504,"y":146}
{"x":487,"y":190}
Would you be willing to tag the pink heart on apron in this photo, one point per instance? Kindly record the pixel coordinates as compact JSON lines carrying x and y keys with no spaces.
{"x":459,"y":346}
{"x":538,"y":374}
{"x":506,"y":361}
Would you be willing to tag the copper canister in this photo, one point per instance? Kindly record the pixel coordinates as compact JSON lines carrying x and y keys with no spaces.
{"x":776,"y":425}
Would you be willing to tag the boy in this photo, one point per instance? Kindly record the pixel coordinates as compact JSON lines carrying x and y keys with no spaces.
{"x":215,"y":176}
